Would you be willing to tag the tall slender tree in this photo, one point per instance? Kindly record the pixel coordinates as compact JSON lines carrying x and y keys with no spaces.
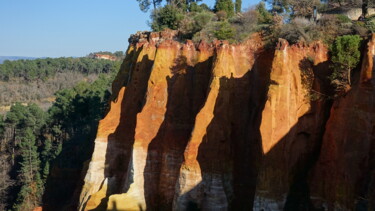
{"x":238,"y":6}
{"x":29,"y":176}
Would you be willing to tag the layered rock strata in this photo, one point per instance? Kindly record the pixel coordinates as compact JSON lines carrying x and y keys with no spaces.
{"x":232,"y":127}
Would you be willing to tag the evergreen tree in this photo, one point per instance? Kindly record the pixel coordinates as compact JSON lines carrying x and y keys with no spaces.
{"x":29,"y":177}
{"x":345,"y":56}
{"x":238,"y":6}
{"x":278,"y":5}
{"x":225,"y":5}
{"x":144,"y":5}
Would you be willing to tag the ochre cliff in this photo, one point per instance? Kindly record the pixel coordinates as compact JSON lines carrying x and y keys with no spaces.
{"x":232,"y":127}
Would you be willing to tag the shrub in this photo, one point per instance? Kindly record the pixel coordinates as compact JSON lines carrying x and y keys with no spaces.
{"x":300,"y":30}
{"x":332,"y":27}
{"x":345,"y":56}
{"x":166,"y":17}
{"x":221,"y":15}
{"x":360,"y":28}
{"x":343,"y":18}
{"x":195,"y":23}
{"x":370,"y":24}
{"x":245,"y":24}
{"x":224,"y":31}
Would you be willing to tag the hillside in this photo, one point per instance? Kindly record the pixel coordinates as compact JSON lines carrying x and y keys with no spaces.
{"x":36,"y":81}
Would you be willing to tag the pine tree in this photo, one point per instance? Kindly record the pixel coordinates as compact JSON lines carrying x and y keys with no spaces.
{"x":29,"y":176}
{"x":345,"y":57}
{"x":144,"y":5}
{"x":238,"y":6}
{"x":225,"y":5}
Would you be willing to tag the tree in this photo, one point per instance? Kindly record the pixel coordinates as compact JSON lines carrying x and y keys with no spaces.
{"x":166,"y":17}
{"x":278,"y":6}
{"x":264,"y":17}
{"x":29,"y":176}
{"x":144,"y":5}
{"x":365,"y":7}
{"x":238,"y":6}
{"x":225,"y":5}
{"x":345,"y":56}
{"x":304,"y":8}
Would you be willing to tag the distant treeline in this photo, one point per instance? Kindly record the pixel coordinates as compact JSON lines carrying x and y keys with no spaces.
{"x":43,"y":69}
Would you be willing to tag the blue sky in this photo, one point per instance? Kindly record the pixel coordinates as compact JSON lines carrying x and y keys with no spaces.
{"x":55,"y":28}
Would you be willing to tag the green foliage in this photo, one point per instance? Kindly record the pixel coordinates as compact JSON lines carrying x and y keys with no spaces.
{"x":205,"y":7}
{"x":144,"y":5}
{"x":238,"y":6}
{"x":29,"y":176}
{"x":278,"y":5}
{"x":370,"y":24}
{"x":19,"y":84}
{"x":300,"y":30}
{"x":37,"y":141}
{"x":345,"y":56}
{"x":30,"y":70}
{"x":166,"y":17}
{"x":343,"y":18}
{"x":264,"y":17}
{"x":194,"y":7}
{"x":27,"y":121}
{"x":195,"y":23}
{"x":225,"y":5}
{"x":224,"y":31}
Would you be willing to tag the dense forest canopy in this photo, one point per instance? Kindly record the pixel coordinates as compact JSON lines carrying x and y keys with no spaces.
{"x":34,"y":142}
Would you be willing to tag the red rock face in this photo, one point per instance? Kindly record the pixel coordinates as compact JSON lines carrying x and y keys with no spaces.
{"x":231,"y":127}
{"x":344,"y":177}
{"x":103,"y":56}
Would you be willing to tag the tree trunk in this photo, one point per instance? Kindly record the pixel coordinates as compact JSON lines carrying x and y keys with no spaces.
{"x":365,"y":8}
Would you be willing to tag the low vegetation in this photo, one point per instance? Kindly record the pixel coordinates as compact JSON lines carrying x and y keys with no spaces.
{"x":293,"y":20}
{"x":35,"y":81}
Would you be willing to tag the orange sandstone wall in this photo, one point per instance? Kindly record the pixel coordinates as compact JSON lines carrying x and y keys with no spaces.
{"x":231,"y":127}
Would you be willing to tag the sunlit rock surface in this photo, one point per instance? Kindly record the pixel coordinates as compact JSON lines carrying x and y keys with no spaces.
{"x":232,"y":127}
